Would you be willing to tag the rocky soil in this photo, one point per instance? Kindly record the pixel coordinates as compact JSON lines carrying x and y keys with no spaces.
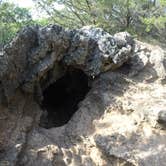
{"x":122,"y":119}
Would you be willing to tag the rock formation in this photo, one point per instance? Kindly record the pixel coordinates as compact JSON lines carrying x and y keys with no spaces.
{"x":39,"y":50}
{"x":122,"y":118}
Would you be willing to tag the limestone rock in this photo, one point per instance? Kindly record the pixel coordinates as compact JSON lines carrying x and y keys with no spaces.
{"x":35,"y":51}
{"x":117,"y":121}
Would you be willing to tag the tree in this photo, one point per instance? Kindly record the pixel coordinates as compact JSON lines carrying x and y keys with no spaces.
{"x":74,"y":14}
{"x":155,"y":17}
{"x":135,"y":16}
{"x":142,"y":17}
{"x":12,"y":18}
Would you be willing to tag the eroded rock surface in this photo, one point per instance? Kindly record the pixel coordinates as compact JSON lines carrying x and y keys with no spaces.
{"x":121,"y":121}
{"x":37,"y":51}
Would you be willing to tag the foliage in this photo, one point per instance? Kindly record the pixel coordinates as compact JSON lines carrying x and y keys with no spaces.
{"x":135,"y":16}
{"x":12,"y":18}
{"x":139,"y":17}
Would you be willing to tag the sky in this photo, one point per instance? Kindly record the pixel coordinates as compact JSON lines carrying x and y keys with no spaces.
{"x":24,"y":3}
{"x":30,"y":4}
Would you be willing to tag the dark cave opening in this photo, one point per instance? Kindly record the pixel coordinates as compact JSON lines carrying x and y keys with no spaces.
{"x":61,"y":98}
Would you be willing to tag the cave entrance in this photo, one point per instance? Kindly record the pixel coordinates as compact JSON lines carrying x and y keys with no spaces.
{"x":61,"y":98}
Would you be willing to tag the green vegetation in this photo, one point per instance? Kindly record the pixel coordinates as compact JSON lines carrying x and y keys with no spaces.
{"x":12,"y":18}
{"x":139,"y":17}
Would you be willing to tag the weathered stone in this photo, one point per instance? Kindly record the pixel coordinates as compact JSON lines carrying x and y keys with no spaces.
{"x":162,"y":117}
{"x":116,"y":123}
{"x":35,"y":51}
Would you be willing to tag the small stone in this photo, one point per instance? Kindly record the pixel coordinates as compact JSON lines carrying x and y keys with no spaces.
{"x":162,"y":117}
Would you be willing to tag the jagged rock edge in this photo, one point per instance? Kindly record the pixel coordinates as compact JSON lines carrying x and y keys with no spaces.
{"x":37,"y":51}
